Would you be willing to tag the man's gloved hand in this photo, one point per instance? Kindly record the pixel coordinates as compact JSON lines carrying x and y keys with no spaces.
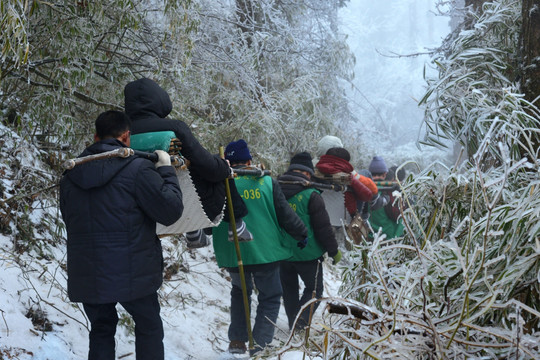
{"x":302,"y":243}
{"x":336,"y":258}
{"x":164,"y":159}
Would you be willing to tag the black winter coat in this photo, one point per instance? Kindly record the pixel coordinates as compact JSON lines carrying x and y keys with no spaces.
{"x":110,"y":208}
{"x":320,"y":221}
{"x":148,"y":105}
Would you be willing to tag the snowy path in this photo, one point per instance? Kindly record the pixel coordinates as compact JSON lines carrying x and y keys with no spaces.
{"x":194,"y":301}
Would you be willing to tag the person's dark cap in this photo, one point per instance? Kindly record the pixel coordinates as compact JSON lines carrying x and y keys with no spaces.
{"x":237,"y":151}
{"x":378,"y":165}
{"x":302,"y":161}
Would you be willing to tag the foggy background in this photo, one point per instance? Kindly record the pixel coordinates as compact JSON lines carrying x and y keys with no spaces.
{"x":391,"y":41}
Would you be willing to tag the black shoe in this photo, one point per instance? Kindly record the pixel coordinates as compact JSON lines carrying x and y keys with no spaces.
{"x":255,"y":351}
{"x":197,"y":239}
{"x":237,"y":347}
{"x":241,"y":231}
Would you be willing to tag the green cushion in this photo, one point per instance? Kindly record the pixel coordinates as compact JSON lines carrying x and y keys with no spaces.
{"x":152,"y":141}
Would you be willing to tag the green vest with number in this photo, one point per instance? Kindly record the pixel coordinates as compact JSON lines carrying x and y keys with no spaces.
{"x":268,"y":244}
{"x":300,"y":203}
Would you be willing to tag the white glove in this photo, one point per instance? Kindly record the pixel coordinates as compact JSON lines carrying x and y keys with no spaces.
{"x":164,"y":159}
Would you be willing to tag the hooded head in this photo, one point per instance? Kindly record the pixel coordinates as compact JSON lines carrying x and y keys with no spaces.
{"x":146,"y":97}
{"x":302,"y":161}
{"x":237,"y":151}
{"x":328,"y":142}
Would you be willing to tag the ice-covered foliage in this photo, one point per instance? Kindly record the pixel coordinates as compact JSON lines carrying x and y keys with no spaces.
{"x":476,"y":94}
{"x":267,"y":71}
{"x":463,"y":282}
{"x":63,"y":62}
{"x":28,"y":209}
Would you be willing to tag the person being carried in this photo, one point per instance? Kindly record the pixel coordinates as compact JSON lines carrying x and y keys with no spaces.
{"x":334,"y":201}
{"x":268,"y":218}
{"x":336,"y":160}
{"x":326,"y":143}
{"x":148,"y":105}
{"x":110,"y":208}
{"x":307,"y":263}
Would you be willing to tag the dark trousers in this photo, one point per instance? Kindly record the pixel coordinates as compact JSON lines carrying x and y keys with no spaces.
{"x":269,"y":296}
{"x":313,"y":281}
{"x":148,"y":328}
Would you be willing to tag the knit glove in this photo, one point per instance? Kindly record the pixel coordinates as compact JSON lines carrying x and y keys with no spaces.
{"x":164,"y":159}
{"x":302,"y":243}
{"x":336,"y":258}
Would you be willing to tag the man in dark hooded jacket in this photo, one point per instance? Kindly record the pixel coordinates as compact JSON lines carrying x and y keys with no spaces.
{"x":148,"y":106}
{"x":110,"y":208}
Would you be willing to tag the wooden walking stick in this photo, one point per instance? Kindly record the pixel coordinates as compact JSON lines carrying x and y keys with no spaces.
{"x":238,"y":256}
{"x":311,"y":308}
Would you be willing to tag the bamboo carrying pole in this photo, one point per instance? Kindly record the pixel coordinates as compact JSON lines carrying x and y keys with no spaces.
{"x":238,"y":256}
{"x":316,"y":185}
{"x":387,"y":185}
{"x":127,"y":152}
{"x":122,"y":152}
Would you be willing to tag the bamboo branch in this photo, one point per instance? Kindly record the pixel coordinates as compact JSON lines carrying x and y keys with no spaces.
{"x":348,"y":310}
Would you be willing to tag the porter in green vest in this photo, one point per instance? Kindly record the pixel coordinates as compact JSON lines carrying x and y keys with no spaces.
{"x":269,"y":244}
{"x":379,"y":219}
{"x":269,"y":218}
{"x":299,"y":203}
{"x":305,"y":264}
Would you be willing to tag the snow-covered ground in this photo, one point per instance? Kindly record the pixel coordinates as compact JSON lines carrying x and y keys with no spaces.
{"x":37,"y":320}
{"x":195,"y":304}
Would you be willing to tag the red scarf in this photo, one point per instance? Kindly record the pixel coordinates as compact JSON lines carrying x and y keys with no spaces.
{"x":330,"y":164}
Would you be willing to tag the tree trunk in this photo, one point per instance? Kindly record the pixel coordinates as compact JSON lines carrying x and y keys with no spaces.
{"x":530,"y":45}
{"x":248,"y":17}
{"x":530,"y":86}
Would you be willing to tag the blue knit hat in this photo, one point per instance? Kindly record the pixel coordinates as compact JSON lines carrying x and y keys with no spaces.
{"x":378,"y":166}
{"x":237,"y":151}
